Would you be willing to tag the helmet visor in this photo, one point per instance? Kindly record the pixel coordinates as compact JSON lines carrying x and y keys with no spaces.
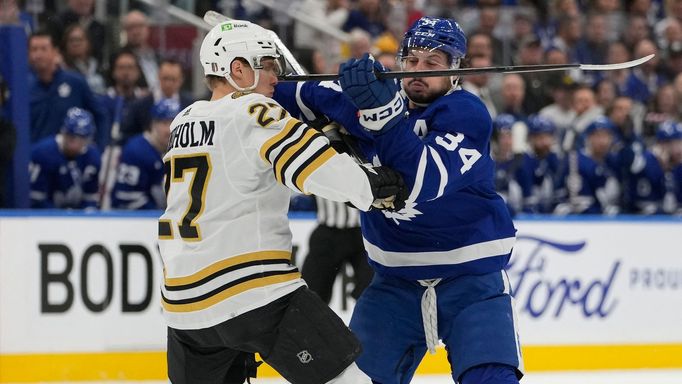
{"x":274,"y":63}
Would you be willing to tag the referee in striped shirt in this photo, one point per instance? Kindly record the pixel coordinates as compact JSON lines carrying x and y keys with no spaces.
{"x":336,"y":240}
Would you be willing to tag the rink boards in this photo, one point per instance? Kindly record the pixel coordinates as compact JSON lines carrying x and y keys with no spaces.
{"x":79,"y":297}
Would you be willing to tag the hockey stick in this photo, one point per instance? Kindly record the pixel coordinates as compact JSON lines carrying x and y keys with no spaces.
{"x":110,"y":158}
{"x":339,"y":139}
{"x":476,"y":71}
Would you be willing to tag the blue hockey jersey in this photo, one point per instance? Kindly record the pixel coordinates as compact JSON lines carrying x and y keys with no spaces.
{"x":506,"y":184}
{"x":642,"y":179}
{"x":672,"y":202}
{"x":454,"y":222}
{"x":538,"y":181}
{"x":58,"y":182}
{"x":587,"y":186}
{"x":139,"y":179}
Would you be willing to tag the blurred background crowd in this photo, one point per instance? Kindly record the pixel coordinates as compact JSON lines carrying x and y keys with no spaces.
{"x":105,"y":79}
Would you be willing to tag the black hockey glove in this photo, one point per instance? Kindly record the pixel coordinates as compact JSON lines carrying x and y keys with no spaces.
{"x":388,"y":188}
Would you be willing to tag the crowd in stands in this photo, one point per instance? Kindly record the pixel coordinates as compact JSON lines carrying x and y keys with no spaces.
{"x":565,"y":142}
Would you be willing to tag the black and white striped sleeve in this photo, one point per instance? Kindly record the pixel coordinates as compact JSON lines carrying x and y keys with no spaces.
{"x":303,"y":160}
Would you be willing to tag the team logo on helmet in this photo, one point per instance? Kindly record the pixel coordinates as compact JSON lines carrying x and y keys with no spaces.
{"x":78,"y":122}
{"x":435,"y":34}
{"x":504,"y":122}
{"x":165,"y":109}
{"x":600,"y":123}
{"x":539,"y":124}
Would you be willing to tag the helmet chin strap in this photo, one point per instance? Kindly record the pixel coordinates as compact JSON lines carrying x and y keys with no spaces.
{"x":244,"y":89}
{"x":454,"y":80}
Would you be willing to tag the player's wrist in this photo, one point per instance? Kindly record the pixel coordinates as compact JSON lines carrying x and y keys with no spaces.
{"x":380,"y":119}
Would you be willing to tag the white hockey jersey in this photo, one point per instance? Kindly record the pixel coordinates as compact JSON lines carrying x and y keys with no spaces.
{"x":224,"y":237}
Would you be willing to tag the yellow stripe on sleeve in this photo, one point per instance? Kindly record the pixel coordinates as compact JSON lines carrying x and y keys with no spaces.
{"x":314,"y":165}
{"x":275,"y":140}
{"x":284,"y":158}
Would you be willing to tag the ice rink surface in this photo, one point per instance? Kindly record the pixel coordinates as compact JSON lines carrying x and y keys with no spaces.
{"x":590,"y":377}
{"x":585,"y":377}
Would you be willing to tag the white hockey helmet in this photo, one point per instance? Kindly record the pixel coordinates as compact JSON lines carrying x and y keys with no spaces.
{"x":238,"y":39}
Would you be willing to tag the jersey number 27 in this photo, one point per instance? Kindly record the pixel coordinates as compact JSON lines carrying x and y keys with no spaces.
{"x":176,"y":169}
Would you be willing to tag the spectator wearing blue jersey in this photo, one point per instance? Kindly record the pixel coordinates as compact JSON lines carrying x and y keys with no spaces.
{"x":439,"y":262}
{"x":588,"y":181}
{"x":638,"y":170}
{"x":668,"y":150}
{"x":507,"y":163}
{"x":64,"y":168}
{"x":53,"y":91}
{"x":139,"y":180}
{"x":540,"y":168}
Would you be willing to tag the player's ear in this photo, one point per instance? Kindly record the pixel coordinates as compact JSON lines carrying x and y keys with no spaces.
{"x":237,"y":68}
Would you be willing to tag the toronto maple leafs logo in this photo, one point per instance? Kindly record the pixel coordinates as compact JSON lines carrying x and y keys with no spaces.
{"x":406,"y":214}
{"x":409,"y":211}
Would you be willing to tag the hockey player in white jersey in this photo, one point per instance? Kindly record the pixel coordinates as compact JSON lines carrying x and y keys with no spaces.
{"x":229,"y":287}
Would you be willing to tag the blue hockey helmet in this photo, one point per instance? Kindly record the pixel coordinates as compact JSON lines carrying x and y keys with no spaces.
{"x":539,"y":124}
{"x":165,"y":109}
{"x":669,"y":130}
{"x":601,"y":122}
{"x":432,"y":33}
{"x":78,"y":122}
{"x":504,"y":122}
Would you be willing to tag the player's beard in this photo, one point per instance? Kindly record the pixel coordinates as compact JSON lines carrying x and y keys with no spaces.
{"x":425,"y":94}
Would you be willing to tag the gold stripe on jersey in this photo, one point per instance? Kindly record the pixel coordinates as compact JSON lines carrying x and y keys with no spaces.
{"x":276,"y":140}
{"x":256,"y":282}
{"x":226,"y":264}
{"x":291,"y":152}
{"x":314,"y":162}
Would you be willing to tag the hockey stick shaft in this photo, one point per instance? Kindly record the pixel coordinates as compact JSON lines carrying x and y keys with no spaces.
{"x":477,"y":71}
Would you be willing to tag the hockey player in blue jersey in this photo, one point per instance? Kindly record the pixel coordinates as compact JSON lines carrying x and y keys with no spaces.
{"x":507,"y":163}
{"x":64,"y":168}
{"x":139,"y":180}
{"x":439,"y":261}
{"x":540,"y":169}
{"x":587,"y":181}
{"x":640,"y":175}
{"x":668,"y":150}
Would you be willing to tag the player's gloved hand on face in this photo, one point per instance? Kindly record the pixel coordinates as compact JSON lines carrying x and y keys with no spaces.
{"x":388,"y":188}
{"x":379,"y":100}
